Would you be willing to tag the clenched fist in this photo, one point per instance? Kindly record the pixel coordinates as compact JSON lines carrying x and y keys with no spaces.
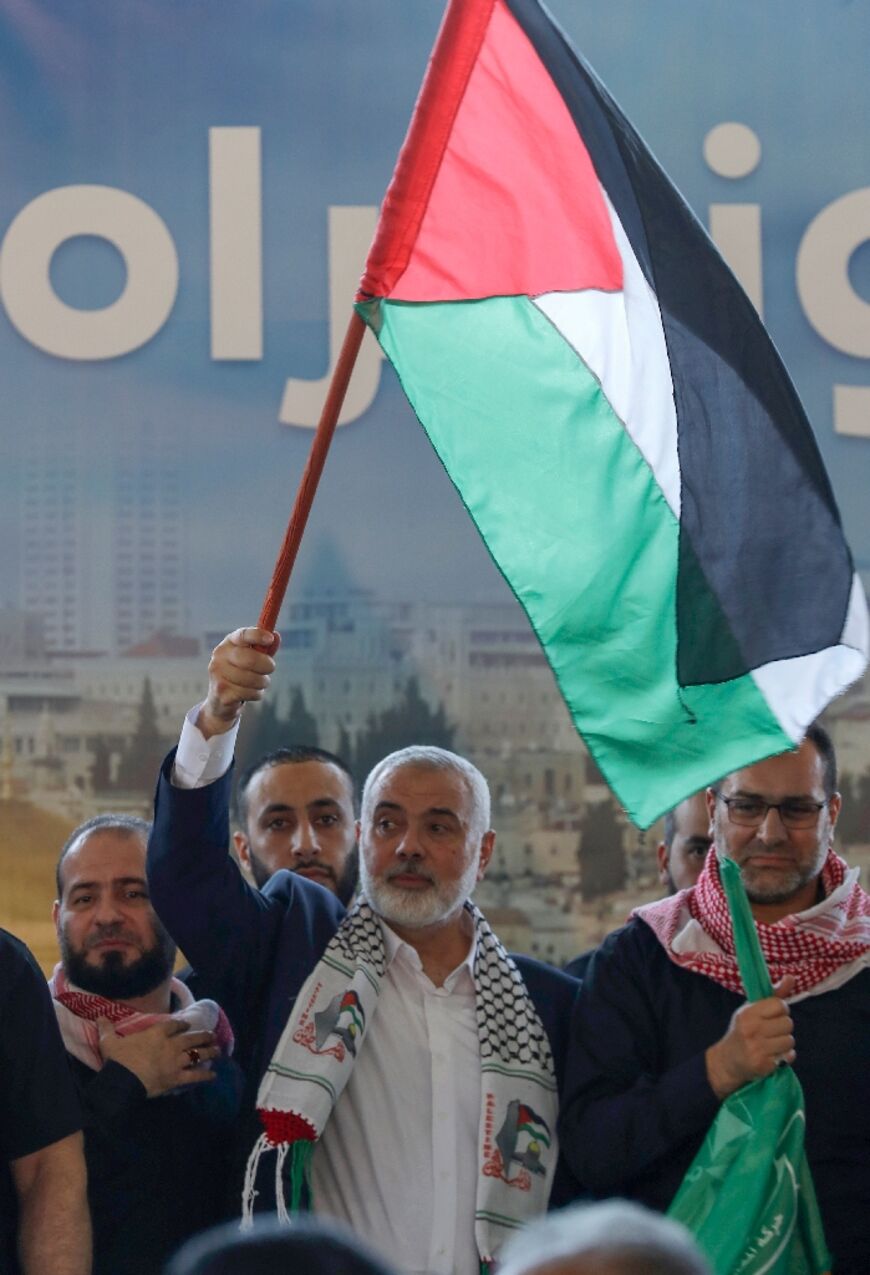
{"x":239,"y":671}
{"x":759,"y":1038}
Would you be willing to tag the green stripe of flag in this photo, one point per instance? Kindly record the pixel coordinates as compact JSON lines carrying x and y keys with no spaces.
{"x":519,"y":1073}
{"x":349,"y":1009}
{"x":590,"y":549}
{"x":279,"y":1070}
{"x":351,"y":970}
{"x":500,"y":1219}
{"x":536,"y":1131}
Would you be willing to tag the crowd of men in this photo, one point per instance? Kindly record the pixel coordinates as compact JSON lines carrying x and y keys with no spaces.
{"x":352,"y":1040}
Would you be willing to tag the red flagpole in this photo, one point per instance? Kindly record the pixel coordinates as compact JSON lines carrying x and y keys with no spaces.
{"x":311,"y":475}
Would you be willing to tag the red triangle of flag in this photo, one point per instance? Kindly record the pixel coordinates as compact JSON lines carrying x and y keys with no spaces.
{"x":514,"y":207}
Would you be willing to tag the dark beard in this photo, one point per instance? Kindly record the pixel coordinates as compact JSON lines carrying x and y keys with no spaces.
{"x":345,"y":887}
{"x":112,"y":978}
{"x":349,"y":878}
{"x":259,"y":871}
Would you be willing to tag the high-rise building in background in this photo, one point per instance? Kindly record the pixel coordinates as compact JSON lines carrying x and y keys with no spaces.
{"x":149,"y":567}
{"x":56,"y":528}
{"x":103,"y":537}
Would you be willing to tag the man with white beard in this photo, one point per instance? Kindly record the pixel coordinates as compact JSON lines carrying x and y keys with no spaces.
{"x":405,"y":1068}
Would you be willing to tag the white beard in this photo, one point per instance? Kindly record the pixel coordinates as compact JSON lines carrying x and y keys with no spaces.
{"x":421,"y":907}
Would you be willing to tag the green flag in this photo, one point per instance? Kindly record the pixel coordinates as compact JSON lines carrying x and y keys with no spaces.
{"x":748,"y":1196}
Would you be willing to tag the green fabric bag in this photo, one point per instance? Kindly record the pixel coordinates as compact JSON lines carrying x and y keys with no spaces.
{"x":748,"y":1196}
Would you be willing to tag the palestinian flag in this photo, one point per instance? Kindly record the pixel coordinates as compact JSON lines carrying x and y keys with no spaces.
{"x":533,"y":1124}
{"x":613,"y":414}
{"x":350,"y":1005}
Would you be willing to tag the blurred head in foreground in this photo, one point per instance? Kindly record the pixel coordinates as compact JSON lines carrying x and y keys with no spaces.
{"x":611,"y":1238}
{"x":308,"y":1247}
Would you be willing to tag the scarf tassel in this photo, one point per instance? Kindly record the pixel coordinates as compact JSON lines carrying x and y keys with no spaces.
{"x":301,"y":1154}
{"x":287,"y":1134}
{"x":249,"y":1190}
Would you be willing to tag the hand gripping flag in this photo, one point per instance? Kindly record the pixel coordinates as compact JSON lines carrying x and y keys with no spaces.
{"x":613,"y":414}
{"x":748,"y":1196}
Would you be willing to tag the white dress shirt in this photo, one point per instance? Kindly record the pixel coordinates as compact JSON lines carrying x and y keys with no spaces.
{"x":200,"y":761}
{"x":398,"y":1160}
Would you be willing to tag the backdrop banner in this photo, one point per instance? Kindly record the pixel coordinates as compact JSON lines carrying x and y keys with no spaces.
{"x":187,"y":200}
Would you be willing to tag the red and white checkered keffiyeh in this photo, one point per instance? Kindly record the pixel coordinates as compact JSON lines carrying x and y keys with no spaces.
{"x":822,"y":948}
{"x":78,"y":1012}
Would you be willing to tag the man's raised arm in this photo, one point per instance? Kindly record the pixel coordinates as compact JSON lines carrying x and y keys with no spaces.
{"x":238,"y":672}
{"x":224,"y":927}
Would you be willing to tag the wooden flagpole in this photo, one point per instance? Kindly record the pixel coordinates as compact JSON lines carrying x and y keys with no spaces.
{"x":311,"y":475}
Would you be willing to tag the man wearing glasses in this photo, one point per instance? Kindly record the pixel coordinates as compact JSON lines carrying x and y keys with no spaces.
{"x":662,"y":1033}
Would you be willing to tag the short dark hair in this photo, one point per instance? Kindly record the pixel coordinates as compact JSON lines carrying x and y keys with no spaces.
{"x":128,"y":826}
{"x":293,"y":755}
{"x":824,"y":746}
{"x":670,"y":829}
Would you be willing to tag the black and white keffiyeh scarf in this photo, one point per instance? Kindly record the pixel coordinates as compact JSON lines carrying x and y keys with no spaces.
{"x":328,"y":1027}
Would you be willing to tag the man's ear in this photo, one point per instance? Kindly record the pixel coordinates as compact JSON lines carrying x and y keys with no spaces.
{"x":55,"y":914}
{"x":835,"y":801}
{"x":662,"y":860}
{"x":710,"y":798}
{"x":487,"y":846}
{"x":240,"y":841}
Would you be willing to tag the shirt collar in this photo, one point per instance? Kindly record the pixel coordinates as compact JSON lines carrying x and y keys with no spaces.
{"x":396,"y":948}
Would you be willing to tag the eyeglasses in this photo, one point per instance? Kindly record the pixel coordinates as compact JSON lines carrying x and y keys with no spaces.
{"x":751,"y":812}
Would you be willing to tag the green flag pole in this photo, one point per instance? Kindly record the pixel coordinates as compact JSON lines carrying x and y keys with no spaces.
{"x":748,"y":1196}
{"x":750,"y":958}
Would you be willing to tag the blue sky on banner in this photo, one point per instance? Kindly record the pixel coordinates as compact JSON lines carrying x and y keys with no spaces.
{"x":124,"y":96}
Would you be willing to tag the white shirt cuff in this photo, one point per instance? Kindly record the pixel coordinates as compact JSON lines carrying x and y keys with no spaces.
{"x":200,"y":761}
